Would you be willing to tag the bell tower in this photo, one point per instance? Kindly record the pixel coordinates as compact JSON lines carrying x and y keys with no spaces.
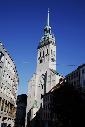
{"x":46,"y":57}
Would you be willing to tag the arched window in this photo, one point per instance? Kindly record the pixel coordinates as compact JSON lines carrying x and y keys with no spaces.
{"x":40,"y":54}
{"x":43,"y":53}
{"x":51,"y":51}
{"x":47,"y":51}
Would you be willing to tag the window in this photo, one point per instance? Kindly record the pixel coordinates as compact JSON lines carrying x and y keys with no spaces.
{"x":44,"y":114}
{"x":41,"y":96}
{"x":51,"y":51}
{"x":77,"y":74}
{"x":42,"y":86}
{"x":43,"y":53}
{"x":41,"y":105}
{"x":46,"y":106}
{"x":40,"y":54}
{"x":1,"y":55}
{"x":77,"y":82}
{"x":2,"y":105}
{"x":74,"y":83}
{"x":48,"y":98}
{"x":83,"y":82}
{"x":83,"y":71}
{"x":41,"y":61}
{"x":52,"y":59}
{"x":74,"y":75}
{"x":47,"y":51}
{"x":49,"y":106}
{"x":69,"y":77}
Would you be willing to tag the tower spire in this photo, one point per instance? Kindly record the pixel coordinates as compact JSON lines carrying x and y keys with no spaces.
{"x":48,"y":18}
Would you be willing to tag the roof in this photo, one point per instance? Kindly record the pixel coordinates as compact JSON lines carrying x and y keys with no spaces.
{"x":79,"y":67}
{"x":55,"y":72}
{"x":57,"y":86}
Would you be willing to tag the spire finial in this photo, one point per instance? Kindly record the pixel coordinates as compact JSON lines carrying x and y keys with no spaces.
{"x":48,"y":18}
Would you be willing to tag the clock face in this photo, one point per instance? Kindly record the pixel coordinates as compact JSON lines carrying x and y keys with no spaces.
{"x":52,"y":59}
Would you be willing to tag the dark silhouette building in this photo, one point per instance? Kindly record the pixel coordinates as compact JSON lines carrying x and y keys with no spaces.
{"x":63,"y":106}
{"x":21,"y":110}
{"x":77,"y":77}
{"x":66,"y":107}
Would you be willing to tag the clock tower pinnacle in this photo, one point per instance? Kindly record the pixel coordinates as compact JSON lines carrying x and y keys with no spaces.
{"x":46,"y":57}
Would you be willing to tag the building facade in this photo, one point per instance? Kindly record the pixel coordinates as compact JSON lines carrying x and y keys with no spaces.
{"x":21,"y":110}
{"x":77,"y":77}
{"x":46,"y":76}
{"x":8,"y":88}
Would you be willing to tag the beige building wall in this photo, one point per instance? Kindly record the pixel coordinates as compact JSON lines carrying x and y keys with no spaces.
{"x":8,"y":87}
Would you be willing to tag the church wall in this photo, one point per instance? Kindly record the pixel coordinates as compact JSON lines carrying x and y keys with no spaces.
{"x":52,"y":64}
{"x":31,"y":92}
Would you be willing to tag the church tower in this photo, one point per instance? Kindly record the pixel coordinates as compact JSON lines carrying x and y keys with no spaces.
{"x":45,"y":77}
{"x":46,"y":57}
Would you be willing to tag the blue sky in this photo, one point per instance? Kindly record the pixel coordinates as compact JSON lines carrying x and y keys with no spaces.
{"x":21,"y":27}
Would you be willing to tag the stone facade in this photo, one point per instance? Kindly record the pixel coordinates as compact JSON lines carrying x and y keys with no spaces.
{"x":77,"y":77}
{"x":8,"y":88}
